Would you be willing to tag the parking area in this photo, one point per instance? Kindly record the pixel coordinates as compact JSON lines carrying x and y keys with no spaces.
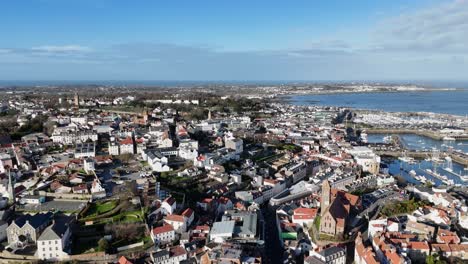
{"x":57,"y":205}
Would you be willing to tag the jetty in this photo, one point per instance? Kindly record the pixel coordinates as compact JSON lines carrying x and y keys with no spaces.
{"x":427,"y":133}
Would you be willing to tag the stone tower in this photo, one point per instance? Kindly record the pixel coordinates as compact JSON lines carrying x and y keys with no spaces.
{"x":77,"y":100}
{"x":325,"y":202}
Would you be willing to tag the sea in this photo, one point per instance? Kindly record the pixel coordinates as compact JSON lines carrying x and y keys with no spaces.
{"x":445,"y":102}
{"x":417,"y":142}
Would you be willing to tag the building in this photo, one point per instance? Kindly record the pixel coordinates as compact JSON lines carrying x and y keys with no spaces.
{"x":177,"y":221}
{"x":334,"y":216}
{"x":26,"y":229}
{"x":88,"y":165}
{"x":222,"y":231}
{"x":366,"y":158}
{"x":53,"y":244}
{"x":235,"y":144}
{"x":85,"y":150}
{"x":163,"y":234}
{"x":363,"y":254}
{"x":331,"y":255}
{"x":173,"y":255}
{"x":169,"y":205}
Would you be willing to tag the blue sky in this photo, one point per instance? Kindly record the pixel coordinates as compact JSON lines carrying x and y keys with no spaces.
{"x":233,"y":40}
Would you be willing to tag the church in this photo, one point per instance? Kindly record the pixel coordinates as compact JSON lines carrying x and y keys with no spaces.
{"x":335,"y":207}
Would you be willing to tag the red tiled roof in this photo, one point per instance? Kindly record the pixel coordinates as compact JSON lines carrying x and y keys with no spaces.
{"x":170,"y":200}
{"x":124,"y":260}
{"x":174,"y":218}
{"x":187,"y":212}
{"x":163,"y":229}
{"x":127,"y":141}
{"x":306,"y":211}
{"x":417,"y":245}
{"x":303,"y":217}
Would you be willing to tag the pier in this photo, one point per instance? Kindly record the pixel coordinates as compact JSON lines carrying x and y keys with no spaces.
{"x":456,"y":157}
{"x":427,"y":133}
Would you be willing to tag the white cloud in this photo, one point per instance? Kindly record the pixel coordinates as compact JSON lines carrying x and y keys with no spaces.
{"x":61,"y":49}
{"x":441,"y":28}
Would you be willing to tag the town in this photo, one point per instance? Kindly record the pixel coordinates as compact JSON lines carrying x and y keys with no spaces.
{"x":220,"y":175}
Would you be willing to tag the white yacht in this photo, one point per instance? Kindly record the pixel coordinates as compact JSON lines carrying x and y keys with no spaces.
{"x":447,"y":138}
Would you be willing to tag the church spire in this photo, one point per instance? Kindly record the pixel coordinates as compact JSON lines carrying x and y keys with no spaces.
{"x":11,"y":188}
{"x":325,"y":202}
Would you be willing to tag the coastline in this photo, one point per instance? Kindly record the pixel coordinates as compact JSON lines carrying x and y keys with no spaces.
{"x":319,"y":99}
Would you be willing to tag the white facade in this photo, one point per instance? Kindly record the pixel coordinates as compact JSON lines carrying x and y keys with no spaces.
{"x":163,"y":237}
{"x":53,"y":249}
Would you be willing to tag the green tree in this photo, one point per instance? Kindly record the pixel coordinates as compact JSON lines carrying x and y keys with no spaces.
{"x":103,"y":244}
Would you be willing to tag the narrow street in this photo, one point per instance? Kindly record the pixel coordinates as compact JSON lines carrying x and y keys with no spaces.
{"x":273,"y":249}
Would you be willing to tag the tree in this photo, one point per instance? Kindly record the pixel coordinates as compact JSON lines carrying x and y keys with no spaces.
{"x":103,"y":244}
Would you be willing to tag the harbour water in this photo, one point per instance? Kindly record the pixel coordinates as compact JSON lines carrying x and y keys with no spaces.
{"x":448,"y":102}
{"x":398,"y":167}
{"x":416,"y":142}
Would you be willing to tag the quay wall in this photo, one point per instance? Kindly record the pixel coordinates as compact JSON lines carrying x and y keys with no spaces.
{"x":427,"y":133}
{"x":424,"y":154}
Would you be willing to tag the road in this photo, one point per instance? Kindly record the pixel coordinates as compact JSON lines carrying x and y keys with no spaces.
{"x":273,"y":248}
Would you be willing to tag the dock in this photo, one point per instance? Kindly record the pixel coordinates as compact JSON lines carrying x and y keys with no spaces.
{"x":456,"y":157}
{"x":427,"y":133}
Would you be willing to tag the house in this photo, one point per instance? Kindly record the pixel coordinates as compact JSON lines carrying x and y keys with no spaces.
{"x":126,"y":146}
{"x":188,"y":216}
{"x":53,"y":244}
{"x":88,"y":165}
{"x":163,"y":234}
{"x":124,"y":260}
{"x":80,"y":189}
{"x":169,"y":205}
{"x":363,"y":254}
{"x":332,"y":255}
{"x":156,"y":160}
{"x":26,"y":229}
{"x":224,"y":204}
{"x":85,"y":150}
{"x":235,"y":144}
{"x":206,"y":204}
{"x":173,"y":255}
{"x":177,"y":221}
{"x":447,"y":237}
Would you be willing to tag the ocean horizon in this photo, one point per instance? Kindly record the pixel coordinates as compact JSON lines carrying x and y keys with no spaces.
{"x":168,"y":83}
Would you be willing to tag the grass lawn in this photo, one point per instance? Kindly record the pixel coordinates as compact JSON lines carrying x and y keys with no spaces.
{"x":402,"y":207}
{"x":101,"y":208}
{"x":129,"y":217}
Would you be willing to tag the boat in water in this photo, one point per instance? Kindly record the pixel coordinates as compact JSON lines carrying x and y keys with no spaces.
{"x":387,"y":139}
{"x":447,"y":138}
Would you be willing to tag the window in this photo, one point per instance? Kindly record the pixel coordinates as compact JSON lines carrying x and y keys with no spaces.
{"x":56,"y":242}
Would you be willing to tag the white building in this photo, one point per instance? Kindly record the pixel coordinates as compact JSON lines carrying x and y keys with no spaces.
{"x":163,"y":234}
{"x":53,"y":241}
{"x":176,"y":221}
{"x":364,"y":156}
{"x":235,"y":144}
{"x":169,"y":205}
{"x":88,"y":165}
{"x":222,"y":231}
